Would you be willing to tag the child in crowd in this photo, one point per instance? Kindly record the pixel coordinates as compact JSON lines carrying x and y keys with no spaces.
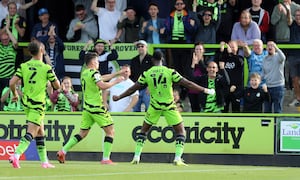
{"x":254,"y":96}
{"x":65,"y":99}
{"x":177,"y":100}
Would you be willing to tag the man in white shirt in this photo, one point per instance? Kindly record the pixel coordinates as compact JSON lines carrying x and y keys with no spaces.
{"x":107,"y":19}
{"x":125,"y":104}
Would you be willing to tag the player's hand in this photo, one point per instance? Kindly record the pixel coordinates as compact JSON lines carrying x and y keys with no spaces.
{"x":209,"y":91}
{"x":116,"y":98}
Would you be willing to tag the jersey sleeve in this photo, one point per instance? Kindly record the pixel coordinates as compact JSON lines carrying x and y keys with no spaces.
{"x":19,"y":73}
{"x":176,"y":77}
{"x":96,"y":76}
{"x":142,"y":79}
{"x":51,"y":75}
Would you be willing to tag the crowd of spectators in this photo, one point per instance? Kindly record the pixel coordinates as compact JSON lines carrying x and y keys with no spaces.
{"x":240,"y":27}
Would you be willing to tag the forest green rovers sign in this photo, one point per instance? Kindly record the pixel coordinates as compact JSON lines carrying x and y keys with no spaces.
{"x":209,"y":135}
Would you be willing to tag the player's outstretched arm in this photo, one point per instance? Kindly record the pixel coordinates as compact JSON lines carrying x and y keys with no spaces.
{"x":128,"y":92}
{"x":105,"y":85}
{"x":191,"y":85}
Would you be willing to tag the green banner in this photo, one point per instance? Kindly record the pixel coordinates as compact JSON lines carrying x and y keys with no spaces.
{"x":209,"y":135}
{"x":125,"y":51}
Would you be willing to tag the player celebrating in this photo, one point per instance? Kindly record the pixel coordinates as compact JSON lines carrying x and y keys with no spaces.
{"x":93,"y":109}
{"x":35,"y":75}
{"x":159,"y":80}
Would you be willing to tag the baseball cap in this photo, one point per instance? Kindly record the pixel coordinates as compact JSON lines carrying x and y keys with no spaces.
{"x":43,"y":11}
{"x":99,"y":41}
{"x":142,"y":42}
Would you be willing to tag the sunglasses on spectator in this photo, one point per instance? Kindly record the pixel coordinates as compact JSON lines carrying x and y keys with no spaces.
{"x":207,"y":14}
{"x":177,"y":4}
{"x":141,"y":46}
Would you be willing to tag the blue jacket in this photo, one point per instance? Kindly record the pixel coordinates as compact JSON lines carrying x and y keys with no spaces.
{"x":147,"y":34}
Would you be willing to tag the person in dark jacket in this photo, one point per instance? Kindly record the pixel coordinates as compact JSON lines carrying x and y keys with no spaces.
{"x":104,"y":57}
{"x":255,"y":95}
{"x":218,"y":80}
{"x":140,"y":63}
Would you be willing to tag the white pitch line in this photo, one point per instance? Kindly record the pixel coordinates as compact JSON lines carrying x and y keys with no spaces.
{"x":148,"y":172}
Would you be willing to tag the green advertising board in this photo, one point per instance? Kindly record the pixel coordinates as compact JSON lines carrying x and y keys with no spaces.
{"x":209,"y":135}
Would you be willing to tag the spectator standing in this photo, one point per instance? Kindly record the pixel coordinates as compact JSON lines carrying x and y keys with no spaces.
{"x":40,"y":30}
{"x":17,"y":23}
{"x":261,"y":17}
{"x":282,"y":17}
{"x":54,"y":48}
{"x":126,"y":104}
{"x":86,"y":3}
{"x":255,"y":95}
{"x":83,"y":27}
{"x":130,"y":25}
{"x":65,"y":98}
{"x":207,"y":30}
{"x":200,"y":6}
{"x":139,"y":64}
{"x":8,"y":55}
{"x":4,"y":7}
{"x":105,"y":58}
{"x":152,"y":29}
{"x":229,"y":15}
{"x":294,"y":58}
{"x":197,"y":68}
{"x":180,"y":28}
{"x":273,"y":73}
{"x":234,"y":67}
{"x":107,"y":20}
{"x":214,"y":79}
{"x":245,"y":31}
{"x":255,"y":57}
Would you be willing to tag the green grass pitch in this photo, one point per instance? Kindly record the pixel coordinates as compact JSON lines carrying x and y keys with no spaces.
{"x":79,"y":170}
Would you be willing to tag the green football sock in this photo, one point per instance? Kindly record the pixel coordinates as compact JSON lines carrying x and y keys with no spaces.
{"x":23,"y":144}
{"x":139,"y":147}
{"x":107,"y":147}
{"x":72,"y":142}
{"x":179,"y":149}
{"x":41,"y":149}
{"x":42,"y":153}
{"x":180,"y":139}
